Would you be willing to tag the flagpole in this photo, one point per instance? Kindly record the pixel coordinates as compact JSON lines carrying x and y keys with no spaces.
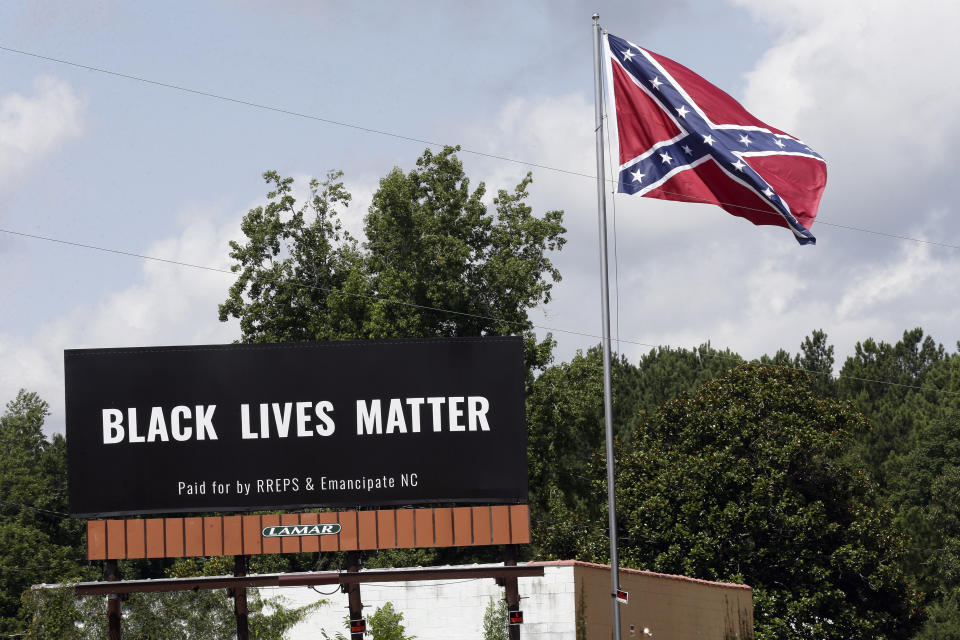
{"x":605,"y":303}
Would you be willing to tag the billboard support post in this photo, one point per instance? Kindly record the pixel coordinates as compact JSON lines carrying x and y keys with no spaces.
{"x":113,"y":600}
{"x":240,"y":599}
{"x":511,"y":588}
{"x":353,"y":592}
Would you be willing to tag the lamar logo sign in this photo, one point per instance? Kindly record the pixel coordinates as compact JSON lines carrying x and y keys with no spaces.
{"x":301,"y":530}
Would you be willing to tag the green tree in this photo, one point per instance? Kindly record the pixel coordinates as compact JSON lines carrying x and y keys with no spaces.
{"x":495,"y":618}
{"x":943,"y":619}
{"x":386,"y":623}
{"x":910,"y":391}
{"x":566,"y":428}
{"x":924,"y":488}
{"x":565,"y":420}
{"x":181,"y":615}
{"x":433,"y":244}
{"x":888,"y":383}
{"x":436,"y":261}
{"x":37,"y":542}
{"x":816,"y":357}
{"x":747,"y":480}
{"x":667,"y":372}
{"x":299,"y":276}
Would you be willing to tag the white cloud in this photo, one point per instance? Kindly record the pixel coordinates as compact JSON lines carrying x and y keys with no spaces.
{"x":889,"y":283}
{"x":872,"y":90}
{"x":848,"y":81}
{"x":170,"y":305}
{"x":33,"y":126}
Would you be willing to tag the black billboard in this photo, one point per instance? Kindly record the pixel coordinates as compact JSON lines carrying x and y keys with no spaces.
{"x":269,"y":426}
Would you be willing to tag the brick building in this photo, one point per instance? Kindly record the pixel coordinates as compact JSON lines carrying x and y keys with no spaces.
{"x":671,"y":607}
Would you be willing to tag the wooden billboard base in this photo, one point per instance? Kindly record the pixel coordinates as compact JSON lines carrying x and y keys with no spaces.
{"x":243,"y":536}
{"x":350,"y":581}
{"x":418,"y":528}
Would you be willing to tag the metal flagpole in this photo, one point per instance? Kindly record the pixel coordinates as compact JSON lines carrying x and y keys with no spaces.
{"x":605,"y":295}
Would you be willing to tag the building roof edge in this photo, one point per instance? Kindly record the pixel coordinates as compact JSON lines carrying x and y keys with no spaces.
{"x":653,"y":574}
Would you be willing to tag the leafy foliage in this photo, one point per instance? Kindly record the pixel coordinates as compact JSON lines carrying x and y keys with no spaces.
{"x":895,"y":410}
{"x":566,"y":429}
{"x":386,"y":623}
{"x":495,"y":618}
{"x":432,"y":243}
{"x":37,"y":544}
{"x":436,"y":261}
{"x":943,"y":619}
{"x":181,"y":615}
{"x":299,"y":275}
{"x":924,"y":484}
{"x":747,"y":480}
{"x":912,"y":452}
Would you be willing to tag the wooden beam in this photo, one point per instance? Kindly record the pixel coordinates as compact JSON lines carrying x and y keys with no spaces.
{"x":302,"y":579}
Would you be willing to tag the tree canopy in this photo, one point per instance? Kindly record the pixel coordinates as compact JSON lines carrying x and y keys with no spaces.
{"x":565,"y":423}
{"x":746,"y":480}
{"x":37,"y":543}
{"x":436,"y":261}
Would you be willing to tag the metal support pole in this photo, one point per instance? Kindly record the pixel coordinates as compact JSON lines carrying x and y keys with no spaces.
{"x":353,"y":591}
{"x":240,"y":599}
{"x":114,"y":611}
{"x":512,"y":589}
{"x":605,"y":303}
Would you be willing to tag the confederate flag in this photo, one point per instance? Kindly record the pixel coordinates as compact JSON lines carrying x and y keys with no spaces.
{"x":681,"y":138}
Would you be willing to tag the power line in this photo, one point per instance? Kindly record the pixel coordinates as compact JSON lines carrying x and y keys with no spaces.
{"x":819,"y":220}
{"x":288,"y":112}
{"x":520,"y":325}
{"x":493,"y":156}
{"x":38,"y":509}
{"x":299,"y":284}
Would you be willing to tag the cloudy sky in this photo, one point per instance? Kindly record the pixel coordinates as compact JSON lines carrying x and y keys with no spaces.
{"x":102,"y":160}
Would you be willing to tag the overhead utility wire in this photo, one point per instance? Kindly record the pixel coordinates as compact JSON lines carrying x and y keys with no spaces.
{"x":447,"y":311}
{"x":27,"y":506}
{"x":299,"y":284}
{"x":338,"y":123}
{"x":288,"y":112}
{"x":818,"y":220}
